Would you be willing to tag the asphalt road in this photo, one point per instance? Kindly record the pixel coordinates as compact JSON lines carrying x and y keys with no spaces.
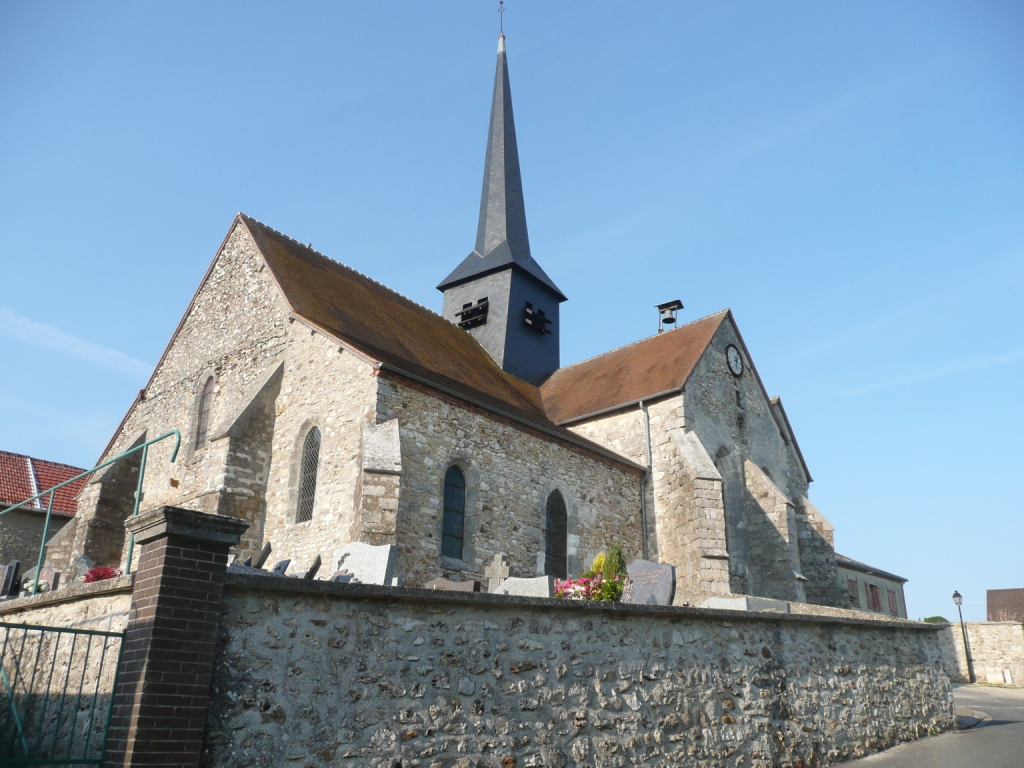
{"x":995,"y":743}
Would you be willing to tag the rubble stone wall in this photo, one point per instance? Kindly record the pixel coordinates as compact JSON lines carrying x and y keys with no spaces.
{"x":997,"y":647}
{"x":326,"y":675}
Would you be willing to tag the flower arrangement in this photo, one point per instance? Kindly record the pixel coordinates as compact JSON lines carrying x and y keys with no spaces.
{"x":29,"y":586}
{"x":606,"y":580}
{"x":101,"y":573}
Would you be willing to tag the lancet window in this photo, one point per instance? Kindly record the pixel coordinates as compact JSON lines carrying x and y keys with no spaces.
{"x":310,"y":463}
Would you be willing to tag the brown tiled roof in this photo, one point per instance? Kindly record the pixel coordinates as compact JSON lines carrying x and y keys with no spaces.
{"x":398,"y":333}
{"x":646,"y":368}
{"x":22,"y":477}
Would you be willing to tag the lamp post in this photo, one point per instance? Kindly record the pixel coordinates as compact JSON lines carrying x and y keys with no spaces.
{"x":958,"y":599}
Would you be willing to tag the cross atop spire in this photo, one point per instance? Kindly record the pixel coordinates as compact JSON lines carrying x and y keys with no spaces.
{"x":502,"y":240}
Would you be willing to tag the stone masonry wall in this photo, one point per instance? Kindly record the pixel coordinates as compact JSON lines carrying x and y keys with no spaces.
{"x":332,"y":389}
{"x":731,"y":415}
{"x":21,"y":533}
{"x":325,"y":675}
{"x":996,"y":646}
{"x":510,"y":471}
{"x":234,"y":330}
{"x":99,"y":606}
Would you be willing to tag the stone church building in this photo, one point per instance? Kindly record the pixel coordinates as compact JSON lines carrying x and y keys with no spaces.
{"x":325,"y":408}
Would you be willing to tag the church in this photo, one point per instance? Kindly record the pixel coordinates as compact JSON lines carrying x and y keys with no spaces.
{"x":324,"y":408}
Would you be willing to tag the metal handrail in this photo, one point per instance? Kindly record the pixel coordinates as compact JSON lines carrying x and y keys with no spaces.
{"x":144,"y":447}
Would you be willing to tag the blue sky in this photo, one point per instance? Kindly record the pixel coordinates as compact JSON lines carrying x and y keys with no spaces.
{"x":847,"y":177}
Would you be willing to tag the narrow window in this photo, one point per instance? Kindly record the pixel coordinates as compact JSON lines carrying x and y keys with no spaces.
{"x":894,"y":603}
{"x":205,"y":404}
{"x":555,"y":540}
{"x":853,"y":588}
{"x":454,"y":513}
{"x":307,"y":475}
{"x":874,"y":597}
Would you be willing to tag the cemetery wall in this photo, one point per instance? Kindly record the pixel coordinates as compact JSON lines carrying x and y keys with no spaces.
{"x":99,"y":606}
{"x":510,"y":471}
{"x":319,"y":674}
{"x":997,"y":648}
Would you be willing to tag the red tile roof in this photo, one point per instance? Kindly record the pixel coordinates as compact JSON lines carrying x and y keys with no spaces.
{"x":22,"y":477}
{"x":654,"y":366}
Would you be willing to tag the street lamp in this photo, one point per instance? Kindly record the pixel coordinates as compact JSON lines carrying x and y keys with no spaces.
{"x":958,"y":599}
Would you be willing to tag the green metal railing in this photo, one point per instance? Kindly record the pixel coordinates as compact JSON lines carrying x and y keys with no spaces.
{"x":144,"y":448}
{"x":57,"y":694}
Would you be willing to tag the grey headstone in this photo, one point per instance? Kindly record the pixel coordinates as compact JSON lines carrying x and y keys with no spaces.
{"x":313,"y":568}
{"x":497,"y":572}
{"x":455,"y":586}
{"x":652,"y":583}
{"x":746,"y":603}
{"x":264,"y":554}
{"x":367,"y":564}
{"x":281,"y":567}
{"x":542,"y":586}
{"x":49,"y":580}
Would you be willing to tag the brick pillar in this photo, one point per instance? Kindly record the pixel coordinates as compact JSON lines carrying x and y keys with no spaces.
{"x":167,"y":663}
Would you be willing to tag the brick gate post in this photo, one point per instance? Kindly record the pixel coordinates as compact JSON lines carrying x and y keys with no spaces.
{"x":166,"y":668}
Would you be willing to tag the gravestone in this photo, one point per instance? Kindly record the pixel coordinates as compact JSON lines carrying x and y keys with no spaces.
{"x":652,"y":583}
{"x":341,"y":577}
{"x":367,"y":564}
{"x":264,"y":554}
{"x":455,"y":586}
{"x":9,"y":578}
{"x":542,"y":586}
{"x":497,"y":572}
{"x":49,"y":580}
{"x":313,"y":568}
{"x":746,"y":603}
{"x":281,"y":567}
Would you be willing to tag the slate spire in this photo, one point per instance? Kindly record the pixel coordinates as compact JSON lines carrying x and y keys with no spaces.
{"x":502,"y":239}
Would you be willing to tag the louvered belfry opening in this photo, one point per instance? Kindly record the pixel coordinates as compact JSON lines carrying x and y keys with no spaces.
{"x":555,"y":537}
{"x":453,"y":525}
{"x":307,"y":476}
{"x":205,"y":404}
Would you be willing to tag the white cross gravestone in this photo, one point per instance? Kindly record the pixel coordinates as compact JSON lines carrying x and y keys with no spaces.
{"x":497,"y":572}
{"x":367,"y":564}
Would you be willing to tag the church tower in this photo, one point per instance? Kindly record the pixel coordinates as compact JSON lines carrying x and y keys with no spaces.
{"x":499,"y":293}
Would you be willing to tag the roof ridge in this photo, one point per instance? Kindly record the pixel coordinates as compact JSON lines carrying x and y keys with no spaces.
{"x":640,"y":341}
{"x":345,"y":266}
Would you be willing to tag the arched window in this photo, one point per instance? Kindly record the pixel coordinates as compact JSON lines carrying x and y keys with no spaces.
{"x":453,"y":526}
{"x":307,"y":475}
{"x":205,"y":404}
{"x":555,"y":538}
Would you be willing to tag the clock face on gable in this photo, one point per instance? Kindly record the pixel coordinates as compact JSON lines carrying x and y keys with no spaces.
{"x":734,"y":360}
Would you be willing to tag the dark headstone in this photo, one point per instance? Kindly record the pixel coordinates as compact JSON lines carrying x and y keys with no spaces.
{"x":313,"y":569}
{"x":342,"y":576}
{"x":652,"y":583}
{"x":248,"y":562}
{"x":456,"y":586}
{"x":264,"y":554}
{"x":281,"y":567}
{"x":9,"y":578}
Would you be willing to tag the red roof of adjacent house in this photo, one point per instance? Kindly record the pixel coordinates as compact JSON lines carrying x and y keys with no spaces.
{"x":22,"y":477}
